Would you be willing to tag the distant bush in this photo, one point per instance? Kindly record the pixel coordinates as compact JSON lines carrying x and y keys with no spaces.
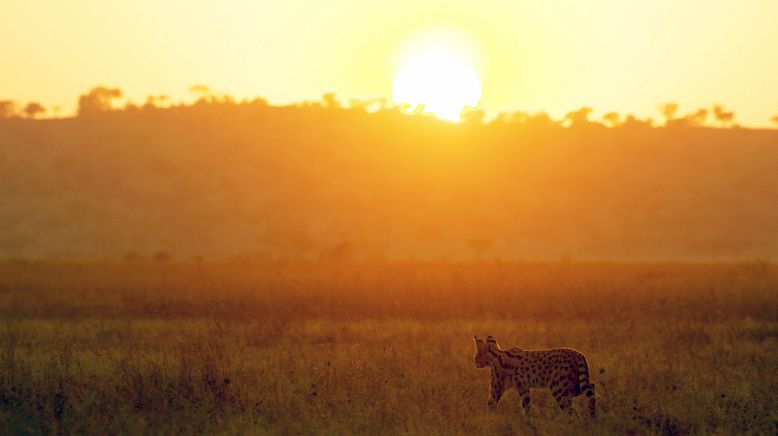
{"x":132,"y":256}
{"x":161,"y":256}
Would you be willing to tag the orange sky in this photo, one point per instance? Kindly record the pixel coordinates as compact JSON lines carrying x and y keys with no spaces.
{"x":553,"y":55}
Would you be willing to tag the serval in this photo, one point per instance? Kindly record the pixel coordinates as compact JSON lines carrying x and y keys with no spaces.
{"x":562,"y":370}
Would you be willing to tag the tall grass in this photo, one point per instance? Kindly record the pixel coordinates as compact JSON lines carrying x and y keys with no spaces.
{"x":379,"y":347}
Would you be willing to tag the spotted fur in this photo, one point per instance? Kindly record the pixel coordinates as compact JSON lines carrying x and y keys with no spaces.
{"x":562,"y":370}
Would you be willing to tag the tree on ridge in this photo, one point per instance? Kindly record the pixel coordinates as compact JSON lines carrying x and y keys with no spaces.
{"x":668,"y":111}
{"x":33,"y":109}
{"x":723,"y":117}
{"x":7,"y":108}
{"x":98,"y":100}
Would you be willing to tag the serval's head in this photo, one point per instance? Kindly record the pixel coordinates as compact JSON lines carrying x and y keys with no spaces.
{"x":483,"y":356}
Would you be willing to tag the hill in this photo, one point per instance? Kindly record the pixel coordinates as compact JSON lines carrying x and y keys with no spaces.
{"x":225,"y":180}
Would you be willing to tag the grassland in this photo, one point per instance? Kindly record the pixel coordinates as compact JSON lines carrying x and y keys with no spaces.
{"x":380,"y":348}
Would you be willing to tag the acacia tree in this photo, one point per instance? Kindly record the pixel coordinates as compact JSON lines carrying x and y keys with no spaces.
{"x":612,"y":118}
{"x":579,"y":117}
{"x":202,"y":93}
{"x":330,"y":100}
{"x":97,"y":100}
{"x":33,"y":109}
{"x":697,"y":118}
{"x":631,"y":122}
{"x":156,"y":101}
{"x":7,"y":108}
{"x":668,"y":111}
{"x":723,"y":117}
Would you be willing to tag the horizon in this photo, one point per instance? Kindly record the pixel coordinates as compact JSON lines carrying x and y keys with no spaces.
{"x":104,"y":99}
{"x":551,"y":58}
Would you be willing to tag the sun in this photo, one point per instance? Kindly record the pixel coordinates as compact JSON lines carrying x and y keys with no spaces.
{"x":440,"y":82}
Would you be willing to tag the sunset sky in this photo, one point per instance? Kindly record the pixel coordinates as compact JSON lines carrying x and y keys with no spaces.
{"x":555,"y":55}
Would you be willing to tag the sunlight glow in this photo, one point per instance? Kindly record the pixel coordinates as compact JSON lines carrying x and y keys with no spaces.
{"x":439,"y":82}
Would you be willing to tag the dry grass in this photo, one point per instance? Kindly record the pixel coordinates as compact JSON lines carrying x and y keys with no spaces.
{"x":380,"y":348}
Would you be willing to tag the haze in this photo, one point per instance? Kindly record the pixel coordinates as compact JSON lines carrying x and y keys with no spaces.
{"x":552,"y":56}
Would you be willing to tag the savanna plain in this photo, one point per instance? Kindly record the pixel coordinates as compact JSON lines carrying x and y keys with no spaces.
{"x":269,"y":347}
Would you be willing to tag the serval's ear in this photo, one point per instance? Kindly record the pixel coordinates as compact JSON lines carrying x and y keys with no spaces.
{"x":479,"y":343}
{"x":491,"y":342}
